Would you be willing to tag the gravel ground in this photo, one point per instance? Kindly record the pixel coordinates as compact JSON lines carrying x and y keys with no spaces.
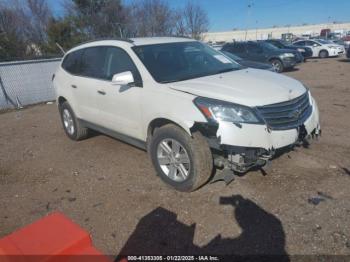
{"x":301,"y":206}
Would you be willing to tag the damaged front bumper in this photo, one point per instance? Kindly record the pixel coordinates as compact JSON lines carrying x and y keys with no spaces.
{"x":244,"y":146}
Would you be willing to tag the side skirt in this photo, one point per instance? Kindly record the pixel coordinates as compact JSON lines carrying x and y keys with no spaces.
{"x":127,"y":139}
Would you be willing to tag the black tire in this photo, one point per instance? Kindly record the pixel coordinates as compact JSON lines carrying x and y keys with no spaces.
{"x":277,"y":65}
{"x":197,"y":148}
{"x":80,"y":132}
{"x":323,"y":54}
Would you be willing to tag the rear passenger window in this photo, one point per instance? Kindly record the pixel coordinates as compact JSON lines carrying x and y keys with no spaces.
{"x":240,"y":48}
{"x":236,"y":48}
{"x":71,"y":62}
{"x":93,"y":62}
{"x":118,"y":61}
{"x":254,"y":48}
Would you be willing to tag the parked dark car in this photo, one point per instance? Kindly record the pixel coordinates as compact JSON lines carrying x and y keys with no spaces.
{"x":280,"y":59}
{"x":306,"y":52}
{"x":348,"y":53}
{"x":248,"y":63}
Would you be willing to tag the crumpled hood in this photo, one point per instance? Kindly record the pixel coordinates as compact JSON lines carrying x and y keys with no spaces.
{"x":250,"y":87}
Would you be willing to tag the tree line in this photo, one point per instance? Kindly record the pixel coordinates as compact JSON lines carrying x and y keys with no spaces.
{"x":29,"y":28}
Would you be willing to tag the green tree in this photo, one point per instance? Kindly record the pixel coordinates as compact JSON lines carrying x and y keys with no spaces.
{"x":63,"y":32}
{"x":98,"y":18}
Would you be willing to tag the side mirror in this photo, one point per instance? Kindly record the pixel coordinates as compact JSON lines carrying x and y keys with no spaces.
{"x":124,"y":78}
{"x":314,"y":45}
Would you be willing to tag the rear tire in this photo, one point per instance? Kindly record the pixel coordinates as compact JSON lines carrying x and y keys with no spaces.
{"x":277,"y":65}
{"x":323,"y":54}
{"x":71,"y":125}
{"x":183,"y":162}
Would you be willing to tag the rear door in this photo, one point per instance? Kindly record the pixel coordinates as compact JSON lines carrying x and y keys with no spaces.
{"x":88,"y":81}
{"x":238,"y":49}
{"x":256,"y":52}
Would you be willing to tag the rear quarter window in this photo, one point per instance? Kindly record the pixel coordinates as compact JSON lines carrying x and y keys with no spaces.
{"x":71,"y":62}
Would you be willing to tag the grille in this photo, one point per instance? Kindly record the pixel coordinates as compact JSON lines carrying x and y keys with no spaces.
{"x":287,"y":115}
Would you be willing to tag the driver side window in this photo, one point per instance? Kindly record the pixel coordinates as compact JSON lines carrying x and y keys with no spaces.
{"x":118,"y":61}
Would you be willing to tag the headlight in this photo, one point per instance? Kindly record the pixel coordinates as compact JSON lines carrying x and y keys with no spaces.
{"x":332,"y":47}
{"x":286,"y":55}
{"x":216,"y":110}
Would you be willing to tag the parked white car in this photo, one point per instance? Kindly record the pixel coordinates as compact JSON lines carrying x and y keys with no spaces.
{"x":322,"y":48}
{"x":188,"y":105}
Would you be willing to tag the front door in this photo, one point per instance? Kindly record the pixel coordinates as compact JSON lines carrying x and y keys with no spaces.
{"x":119,"y":106}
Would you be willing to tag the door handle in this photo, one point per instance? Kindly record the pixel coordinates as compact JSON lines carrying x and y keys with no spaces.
{"x":74,"y":86}
{"x":101,"y":92}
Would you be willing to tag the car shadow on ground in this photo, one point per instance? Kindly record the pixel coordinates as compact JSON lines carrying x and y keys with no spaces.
{"x":344,"y":60}
{"x":160,"y":233}
{"x":293,"y":69}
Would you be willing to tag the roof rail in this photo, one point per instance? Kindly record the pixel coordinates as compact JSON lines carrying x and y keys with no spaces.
{"x":105,"y":39}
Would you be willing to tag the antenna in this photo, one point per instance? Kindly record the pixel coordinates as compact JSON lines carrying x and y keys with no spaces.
{"x":61,"y":48}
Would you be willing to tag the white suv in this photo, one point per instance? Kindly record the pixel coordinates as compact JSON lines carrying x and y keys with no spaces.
{"x":189,"y":106}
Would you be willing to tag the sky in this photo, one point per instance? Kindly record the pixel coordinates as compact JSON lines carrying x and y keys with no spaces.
{"x":225,"y":15}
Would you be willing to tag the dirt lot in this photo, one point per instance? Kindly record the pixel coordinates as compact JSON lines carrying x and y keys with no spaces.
{"x":302,"y":205}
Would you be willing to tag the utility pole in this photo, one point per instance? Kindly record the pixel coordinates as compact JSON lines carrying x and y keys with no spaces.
{"x":249,"y":6}
{"x":329,"y":25}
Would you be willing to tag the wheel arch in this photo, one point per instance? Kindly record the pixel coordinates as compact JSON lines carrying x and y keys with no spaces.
{"x":323,"y":50}
{"x":275,"y":58}
{"x":162,"y":121}
{"x":61,"y":100}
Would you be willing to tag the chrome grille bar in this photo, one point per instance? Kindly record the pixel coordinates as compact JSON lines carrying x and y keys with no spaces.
{"x":287,"y":115}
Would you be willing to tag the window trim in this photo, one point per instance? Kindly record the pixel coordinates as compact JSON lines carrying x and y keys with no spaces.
{"x":96,"y":78}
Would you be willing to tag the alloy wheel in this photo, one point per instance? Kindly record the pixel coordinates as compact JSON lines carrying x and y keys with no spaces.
{"x":173,"y":159}
{"x":68,"y":121}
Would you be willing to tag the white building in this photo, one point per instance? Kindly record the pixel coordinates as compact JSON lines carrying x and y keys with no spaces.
{"x":276,"y":32}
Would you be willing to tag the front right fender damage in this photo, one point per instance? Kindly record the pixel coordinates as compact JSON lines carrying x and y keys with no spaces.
{"x":238,"y":148}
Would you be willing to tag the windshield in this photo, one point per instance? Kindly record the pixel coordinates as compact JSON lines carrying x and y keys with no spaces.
{"x":174,"y":62}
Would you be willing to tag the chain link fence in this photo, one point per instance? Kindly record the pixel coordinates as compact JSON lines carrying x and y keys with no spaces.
{"x":26,"y":82}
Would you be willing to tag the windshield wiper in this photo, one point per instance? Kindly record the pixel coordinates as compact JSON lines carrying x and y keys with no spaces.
{"x":200,"y":75}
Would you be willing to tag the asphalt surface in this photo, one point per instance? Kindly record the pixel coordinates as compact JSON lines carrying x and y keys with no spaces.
{"x":300,"y":206}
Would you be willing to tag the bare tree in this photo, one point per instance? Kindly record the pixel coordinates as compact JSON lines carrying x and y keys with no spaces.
{"x":195,"y":19}
{"x":151,"y":18}
{"x":12,"y":40}
{"x":38,"y":15}
{"x":26,"y":21}
{"x":180,"y":23}
{"x":97,"y":18}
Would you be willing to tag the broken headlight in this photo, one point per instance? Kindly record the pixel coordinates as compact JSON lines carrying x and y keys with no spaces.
{"x":216,"y":110}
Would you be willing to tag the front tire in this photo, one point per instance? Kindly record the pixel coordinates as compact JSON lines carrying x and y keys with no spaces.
{"x":181,"y":161}
{"x":277,"y":65}
{"x":323,"y":54}
{"x":71,"y":125}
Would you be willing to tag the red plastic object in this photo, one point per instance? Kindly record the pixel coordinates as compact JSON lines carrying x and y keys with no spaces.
{"x":52,"y":238}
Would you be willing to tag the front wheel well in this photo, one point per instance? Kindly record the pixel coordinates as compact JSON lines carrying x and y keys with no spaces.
{"x":275,"y":58}
{"x":61,"y":100}
{"x":158,"y":123}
